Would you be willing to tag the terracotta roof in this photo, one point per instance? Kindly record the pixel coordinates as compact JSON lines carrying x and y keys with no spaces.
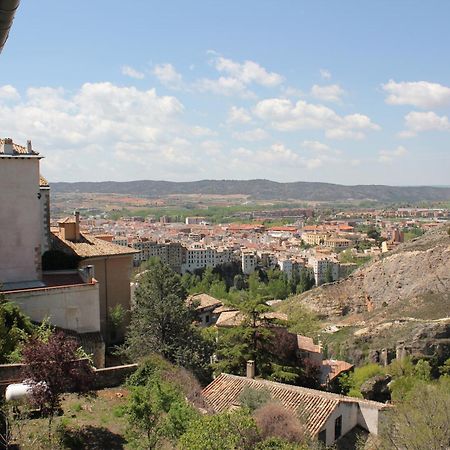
{"x":89,"y":246}
{"x":307,"y":344}
{"x":17,"y":149}
{"x":336,"y":367}
{"x":314,"y":406}
{"x":204,"y":300}
{"x":234,"y":318}
{"x":42,"y":181}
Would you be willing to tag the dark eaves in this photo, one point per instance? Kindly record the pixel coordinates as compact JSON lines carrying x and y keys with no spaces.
{"x":7,"y":10}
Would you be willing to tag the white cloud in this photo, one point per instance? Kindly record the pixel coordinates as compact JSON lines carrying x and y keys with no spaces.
{"x":315,"y":145}
{"x":417,"y":122}
{"x":8,"y":92}
{"x":104,"y":131}
{"x":168,"y":76}
{"x":325,"y":74}
{"x":247,"y":72}
{"x":227,"y":86}
{"x":329,"y":93}
{"x":422,"y":94}
{"x":238,"y":115}
{"x":133,"y":73}
{"x":283,"y":115}
{"x":258,"y":134}
{"x":389,"y":155}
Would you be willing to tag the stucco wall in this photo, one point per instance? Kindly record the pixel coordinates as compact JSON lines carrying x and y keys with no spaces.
{"x":20,"y":219}
{"x":368,"y":417}
{"x":73,"y":307}
{"x":113,"y":275}
{"x":349,"y":413}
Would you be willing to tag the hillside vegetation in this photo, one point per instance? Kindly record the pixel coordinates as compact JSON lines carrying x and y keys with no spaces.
{"x":262,"y":189}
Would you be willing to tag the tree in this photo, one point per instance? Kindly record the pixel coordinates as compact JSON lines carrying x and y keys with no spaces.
{"x":161,"y":322}
{"x":53,"y":368}
{"x":307,"y":281}
{"x":420,"y":421}
{"x":229,"y":430}
{"x":329,"y":274}
{"x":15,"y":329}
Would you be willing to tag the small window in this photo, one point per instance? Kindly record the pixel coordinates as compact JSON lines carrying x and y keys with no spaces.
{"x":207,"y":318}
{"x":338,"y":428}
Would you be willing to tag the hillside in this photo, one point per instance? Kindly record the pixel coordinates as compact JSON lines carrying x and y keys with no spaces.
{"x":262,"y":190}
{"x":403,"y":297}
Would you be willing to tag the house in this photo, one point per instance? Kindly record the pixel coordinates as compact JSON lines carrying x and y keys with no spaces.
{"x":326,"y":416}
{"x":205,"y":308}
{"x":111,"y":264}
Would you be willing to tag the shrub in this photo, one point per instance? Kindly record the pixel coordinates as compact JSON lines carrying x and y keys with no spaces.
{"x":274,"y":421}
{"x":254,"y":398}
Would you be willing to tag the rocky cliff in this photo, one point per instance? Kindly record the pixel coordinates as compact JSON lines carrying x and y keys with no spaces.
{"x":400,"y":302}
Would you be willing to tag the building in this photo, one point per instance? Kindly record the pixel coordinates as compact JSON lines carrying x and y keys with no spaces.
{"x":327,"y":417}
{"x":21,"y":210}
{"x":200,"y":256}
{"x":205,"y":306}
{"x":322,"y":267}
{"x":197,"y":220}
{"x":111,"y":263}
{"x":249,"y":261}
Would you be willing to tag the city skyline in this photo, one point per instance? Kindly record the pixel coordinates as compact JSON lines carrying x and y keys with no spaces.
{"x":348,"y":93}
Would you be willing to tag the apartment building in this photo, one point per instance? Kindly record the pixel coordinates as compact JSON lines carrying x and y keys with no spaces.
{"x":322,"y":266}
{"x":199,"y":256}
{"x":249,"y":261}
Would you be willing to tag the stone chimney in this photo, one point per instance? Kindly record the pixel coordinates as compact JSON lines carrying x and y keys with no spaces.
{"x":251,"y":369}
{"x":8,"y":148}
{"x":77,"y":226}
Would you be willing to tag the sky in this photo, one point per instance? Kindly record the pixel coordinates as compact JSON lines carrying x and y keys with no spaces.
{"x":348,"y":92}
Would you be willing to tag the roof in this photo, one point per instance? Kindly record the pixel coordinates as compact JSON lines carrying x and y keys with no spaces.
{"x":18,"y":150}
{"x":336,"y":367}
{"x":42,"y":181}
{"x":307,"y":344}
{"x":89,"y":246}
{"x":314,"y":406}
{"x":204,"y":300}
{"x":235,"y":318}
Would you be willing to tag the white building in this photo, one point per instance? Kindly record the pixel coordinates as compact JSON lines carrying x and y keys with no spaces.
{"x":321,"y":266}
{"x":199,"y":256}
{"x":21,"y":212}
{"x":249,"y":261}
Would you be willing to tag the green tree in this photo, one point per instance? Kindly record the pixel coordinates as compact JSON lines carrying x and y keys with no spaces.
{"x":234,"y":430}
{"x":15,"y":330}
{"x":419,"y":421}
{"x":161,"y":322}
{"x":329,"y":274}
{"x":307,"y":281}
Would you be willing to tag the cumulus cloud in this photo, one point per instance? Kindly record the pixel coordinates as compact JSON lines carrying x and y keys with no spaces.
{"x":103,"y":130}
{"x":132,"y":73}
{"x":168,"y":76}
{"x":8,"y":92}
{"x":315,"y":145}
{"x":283,"y":115}
{"x":237,"y":77}
{"x":258,"y":134}
{"x":238,"y":115}
{"x":417,"y":122}
{"x":247,"y":72}
{"x":389,"y":155}
{"x":329,"y":93}
{"x":421,"y":94}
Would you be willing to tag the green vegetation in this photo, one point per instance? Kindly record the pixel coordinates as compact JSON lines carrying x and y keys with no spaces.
{"x":347,"y":257}
{"x":162,"y":322}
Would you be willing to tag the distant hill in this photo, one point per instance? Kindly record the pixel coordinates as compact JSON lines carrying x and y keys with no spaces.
{"x":262,"y":190}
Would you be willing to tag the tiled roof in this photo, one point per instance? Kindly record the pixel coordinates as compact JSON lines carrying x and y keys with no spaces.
{"x":313,"y":406}
{"x":307,"y":344}
{"x":204,"y":300}
{"x":89,"y":246}
{"x":18,"y":149}
{"x":42,"y":181}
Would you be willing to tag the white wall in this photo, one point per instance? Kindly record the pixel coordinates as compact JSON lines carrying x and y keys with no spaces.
{"x":349,"y":412}
{"x":74,"y":308}
{"x":20,"y":219}
{"x":368,"y":417}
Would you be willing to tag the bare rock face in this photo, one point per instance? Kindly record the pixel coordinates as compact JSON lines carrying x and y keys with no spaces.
{"x":403,"y":281}
{"x":376,"y":388}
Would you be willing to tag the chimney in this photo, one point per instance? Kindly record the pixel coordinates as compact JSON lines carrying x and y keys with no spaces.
{"x":251,"y":369}
{"x":77,"y":226}
{"x":8,"y":148}
{"x":29,"y":147}
{"x":89,"y":273}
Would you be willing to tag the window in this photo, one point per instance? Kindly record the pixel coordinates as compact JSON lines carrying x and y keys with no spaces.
{"x":207,"y":318}
{"x":338,"y":428}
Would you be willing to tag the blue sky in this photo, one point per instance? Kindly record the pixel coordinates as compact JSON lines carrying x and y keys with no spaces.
{"x":350,"y":92}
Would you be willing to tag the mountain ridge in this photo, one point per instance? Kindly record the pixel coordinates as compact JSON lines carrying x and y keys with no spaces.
{"x":261,"y":189}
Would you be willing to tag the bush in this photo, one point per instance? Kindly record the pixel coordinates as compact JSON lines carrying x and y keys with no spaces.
{"x":254,"y":398}
{"x":274,"y":421}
